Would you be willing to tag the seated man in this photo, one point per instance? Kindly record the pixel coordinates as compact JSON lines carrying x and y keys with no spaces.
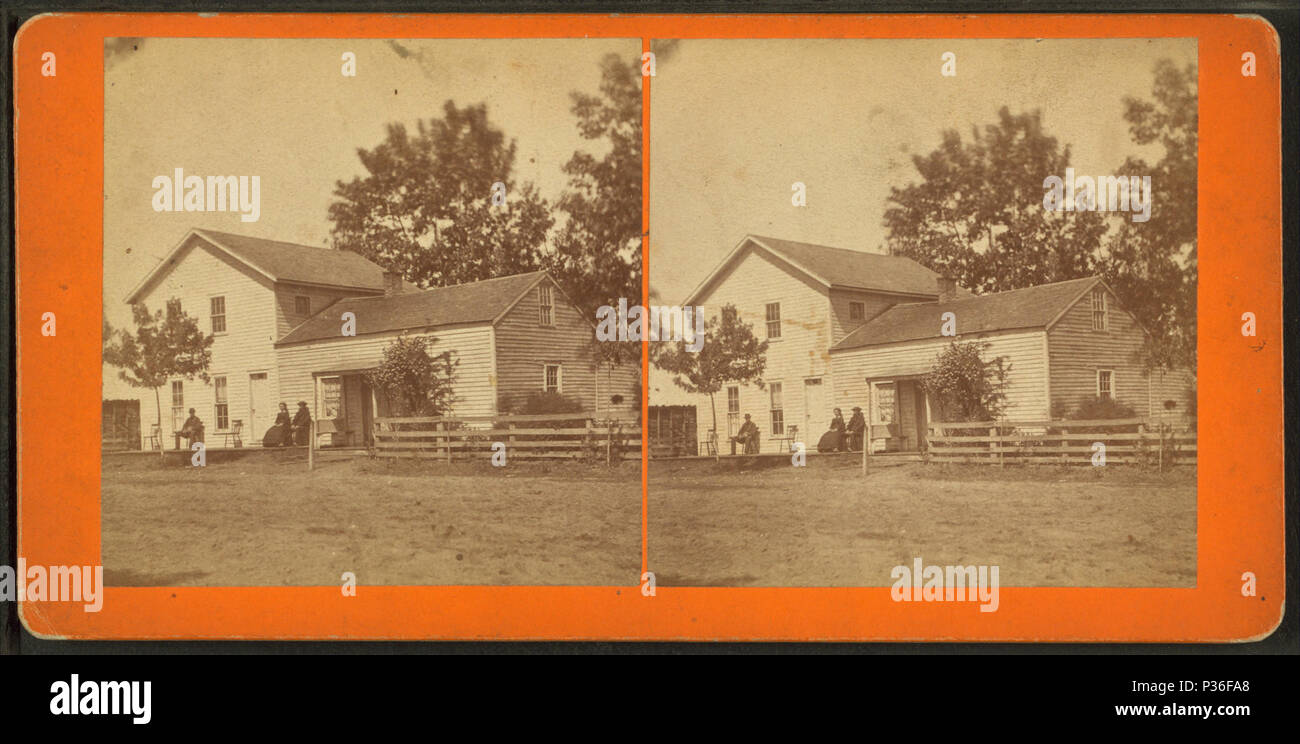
{"x":748,"y":437}
{"x":857,"y":425}
{"x":192,"y":430}
{"x":301,"y":423}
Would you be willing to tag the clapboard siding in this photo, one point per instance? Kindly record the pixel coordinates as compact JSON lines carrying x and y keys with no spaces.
{"x":803,"y":351}
{"x":1026,"y":381}
{"x":200,"y":273}
{"x":470,"y":345}
{"x":1175,"y":386}
{"x":286,"y":316}
{"x":1077,"y":352}
{"x":874,"y":303}
{"x":524,"y":346}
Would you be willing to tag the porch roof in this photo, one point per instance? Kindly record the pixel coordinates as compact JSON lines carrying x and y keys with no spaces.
{"x":477,"y":302}
{"x":1031,"y":307}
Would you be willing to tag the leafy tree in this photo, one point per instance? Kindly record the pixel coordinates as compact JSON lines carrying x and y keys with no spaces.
{"x":1152,"y":265}
{"x":595,"y":254}
{"x":730,"y":354}
{"x":964,"y":386}
{"x":425,"y":208}
{"x":416,"y":383}
{"x":977,"y":213}
{"x":165,"y":345}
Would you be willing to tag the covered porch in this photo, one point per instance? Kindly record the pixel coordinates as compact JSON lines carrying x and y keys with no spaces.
{"x":345,"y":408}
{"x":898,"y":413}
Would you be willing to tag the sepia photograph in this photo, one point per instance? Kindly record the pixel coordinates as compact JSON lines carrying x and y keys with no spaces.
{"x":350,"y":293}
{"x":949,"y":302}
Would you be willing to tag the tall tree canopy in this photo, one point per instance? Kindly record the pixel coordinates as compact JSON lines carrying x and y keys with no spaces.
{"x":596,"y":255}
{"x":426,"y":206}
{"x":1152,"y":265}
{"x":977,"y":214}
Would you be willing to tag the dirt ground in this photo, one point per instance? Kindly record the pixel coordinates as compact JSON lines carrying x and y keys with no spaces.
{"x":742,"y":523}
{"x":264,"y":520}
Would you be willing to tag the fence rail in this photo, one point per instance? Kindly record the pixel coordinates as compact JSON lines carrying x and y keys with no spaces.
{"x":570,"y":436}
{"x":1154,"y":442}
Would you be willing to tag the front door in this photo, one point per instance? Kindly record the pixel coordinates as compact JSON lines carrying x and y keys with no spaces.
{"x":261,"y":411}
{"x":816,"y":416}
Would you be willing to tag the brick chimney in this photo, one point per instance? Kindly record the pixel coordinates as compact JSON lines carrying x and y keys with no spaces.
{"x":392,"y":283}
{"x":947,"y":288}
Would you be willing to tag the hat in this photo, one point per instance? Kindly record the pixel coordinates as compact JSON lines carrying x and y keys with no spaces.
{"x":857,"y":408}
{"x":302,"y":404}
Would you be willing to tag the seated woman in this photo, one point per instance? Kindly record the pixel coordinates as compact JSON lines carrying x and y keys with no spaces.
{"x":833,"y":440}
{"x":280,"y":434}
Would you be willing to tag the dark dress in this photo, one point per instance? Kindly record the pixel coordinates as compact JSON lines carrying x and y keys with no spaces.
{"x":278,"y":435}
{"x":831,"y":441}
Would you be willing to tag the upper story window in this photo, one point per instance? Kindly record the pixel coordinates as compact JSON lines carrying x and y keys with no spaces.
{"x":302,"y":305}
{"x":218,"y":314}
{"x":1100,"y":308}
{"x":773,"y":315}
{"x":545,"y":306}
{"x":857,"y":310}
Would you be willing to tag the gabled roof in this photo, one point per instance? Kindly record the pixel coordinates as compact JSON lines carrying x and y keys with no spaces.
{"x":280,"y":262}
{"x":476,"y":302}
{"x":1031,"y":307}
{"x":837,"y":267}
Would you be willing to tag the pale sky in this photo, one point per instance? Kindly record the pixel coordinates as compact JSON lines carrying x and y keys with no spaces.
{"x":282,"y":110}
{"x":733,"y":123}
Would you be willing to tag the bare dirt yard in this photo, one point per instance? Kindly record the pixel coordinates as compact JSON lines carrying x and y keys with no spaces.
{"x":761,"y":522}
{"x":261,"y":519}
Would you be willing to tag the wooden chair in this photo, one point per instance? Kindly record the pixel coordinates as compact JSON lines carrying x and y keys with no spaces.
{"x":232,"y":435}
{"x":155,"y":437}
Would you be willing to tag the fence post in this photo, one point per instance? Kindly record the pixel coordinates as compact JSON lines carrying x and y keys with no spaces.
{"x":446,"y":426}
{"x":993,"y":445}
{"x":1142,"y":443}
{"x":609,"y":443}
{"x":311,"y":446}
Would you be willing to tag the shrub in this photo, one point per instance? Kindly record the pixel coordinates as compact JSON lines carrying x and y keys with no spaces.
{"x":964,"y":386}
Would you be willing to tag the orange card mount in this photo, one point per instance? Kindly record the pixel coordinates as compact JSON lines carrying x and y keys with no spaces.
{"x":202,"y":553}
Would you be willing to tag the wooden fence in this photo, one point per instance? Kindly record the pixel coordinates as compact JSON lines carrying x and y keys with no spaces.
{"x":539,"y":436}
{"x":1149,"y":442}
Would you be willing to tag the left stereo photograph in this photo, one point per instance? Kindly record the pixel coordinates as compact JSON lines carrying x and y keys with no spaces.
{"x":349,"y":292}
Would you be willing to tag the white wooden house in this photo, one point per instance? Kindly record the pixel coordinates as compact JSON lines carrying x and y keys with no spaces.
{"x":849,"y":328}
{"x":246,"y":292}
{"x":802,"y":299}
{"x":276,"y":313}
{"x":510,"y":336}
{"x":1063,"y":343}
